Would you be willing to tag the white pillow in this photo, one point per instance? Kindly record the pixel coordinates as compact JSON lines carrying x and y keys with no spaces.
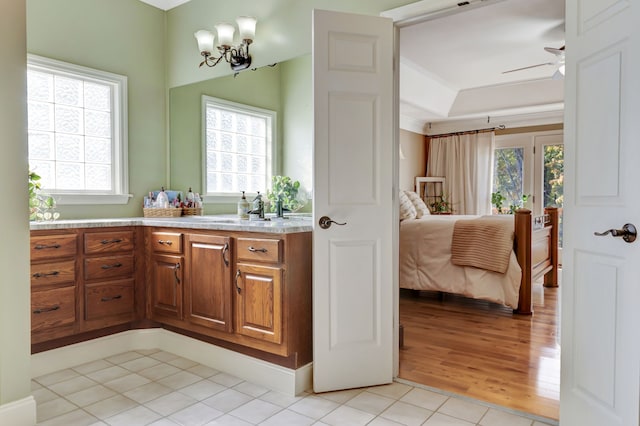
{"x":407,"y":210}
{"x":418,"y":203}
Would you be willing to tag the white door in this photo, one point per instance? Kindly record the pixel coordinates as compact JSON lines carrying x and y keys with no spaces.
{"x":353,"y":291}
{"x":600,"y":382}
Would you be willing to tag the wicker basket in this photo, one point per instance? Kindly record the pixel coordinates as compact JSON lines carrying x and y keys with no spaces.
{"x":192,"y":211}
{"x":154,"y":212}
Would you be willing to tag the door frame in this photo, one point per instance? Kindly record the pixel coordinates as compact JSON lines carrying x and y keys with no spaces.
{"x":420,"y":11}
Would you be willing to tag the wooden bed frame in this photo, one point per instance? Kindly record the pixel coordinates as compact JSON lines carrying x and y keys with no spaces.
{"x":536,"y":247}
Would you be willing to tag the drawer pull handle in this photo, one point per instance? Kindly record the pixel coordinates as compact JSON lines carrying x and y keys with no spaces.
{"x":237,"y":277}
{"x":254,"y":250}
{"x":115,"y":265}
{"x":175,"y":273}
{"x":108,"y":299}
{"x":43,"y":246}
{"x":43,"y":310}
{"x":225,"y":250}
{"x":45,"y":274}
{"x":114,"y":241}
{"x":167,"y":242}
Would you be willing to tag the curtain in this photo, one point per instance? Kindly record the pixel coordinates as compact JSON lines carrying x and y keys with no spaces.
{"x":466,"y":161}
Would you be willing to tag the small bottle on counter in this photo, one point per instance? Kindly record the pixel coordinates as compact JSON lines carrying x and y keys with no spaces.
{"x":243,"y":207}
{"x":162,"y":200}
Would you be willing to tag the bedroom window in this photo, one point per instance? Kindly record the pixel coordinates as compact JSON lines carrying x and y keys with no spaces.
{"x":238,"y":147}
{"x":508,"y":174}
{"x":77,"y":131}
{"x":531,"y":164}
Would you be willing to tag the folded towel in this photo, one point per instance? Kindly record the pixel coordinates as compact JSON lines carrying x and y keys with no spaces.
{"x":484,"y":243}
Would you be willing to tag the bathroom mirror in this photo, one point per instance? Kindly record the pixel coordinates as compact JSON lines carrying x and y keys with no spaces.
{"x":284,"y":87}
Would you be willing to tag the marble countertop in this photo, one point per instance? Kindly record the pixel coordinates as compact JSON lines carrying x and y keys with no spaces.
{"x":288,"y":225}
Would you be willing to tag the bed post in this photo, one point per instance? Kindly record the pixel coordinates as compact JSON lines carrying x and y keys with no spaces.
{"x":551,"y":277}
{"x":522,"y":241}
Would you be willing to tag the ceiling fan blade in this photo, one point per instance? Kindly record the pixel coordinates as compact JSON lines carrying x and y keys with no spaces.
{"x":529,"y":67}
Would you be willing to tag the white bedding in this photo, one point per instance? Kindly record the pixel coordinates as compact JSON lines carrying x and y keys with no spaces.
{"x":425,"y":263}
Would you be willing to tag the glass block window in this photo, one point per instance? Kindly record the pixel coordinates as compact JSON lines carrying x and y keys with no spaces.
{"x":76,"y":128}
{"x":238,"y":147}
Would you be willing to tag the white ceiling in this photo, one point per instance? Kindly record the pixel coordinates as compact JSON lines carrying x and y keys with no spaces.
{"x":165,"y":4}
{"x":451,"y":66}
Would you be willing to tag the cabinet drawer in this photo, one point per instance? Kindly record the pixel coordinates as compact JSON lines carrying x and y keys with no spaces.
{"x":263,"y":250}
{"x":108,"y":300}
{"x":52,"y":246}
{"x":53,"y":273}
{"x":108,"y":267}
{"x":166,"y":242}
{"x":52,"y":308}
{"x":107,"y":242}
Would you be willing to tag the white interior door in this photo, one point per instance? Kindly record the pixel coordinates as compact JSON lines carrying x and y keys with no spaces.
{"x":600,"y":382}
{"x":353,"y":184}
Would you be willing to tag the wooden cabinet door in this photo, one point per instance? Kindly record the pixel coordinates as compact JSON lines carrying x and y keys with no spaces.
{"x":208,"y":298}
{"x":259,"y":302}
{"x":166,"y":286}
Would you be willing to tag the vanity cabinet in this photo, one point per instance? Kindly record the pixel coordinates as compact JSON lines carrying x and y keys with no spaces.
{"x":108,"y":272}
{"x":54,"y":289}
{"x":164,"y":275}
{"x":82,"y":280}
{"x":258,"y":285}
{"x":247,"y":291}
{"x":208,"y":298}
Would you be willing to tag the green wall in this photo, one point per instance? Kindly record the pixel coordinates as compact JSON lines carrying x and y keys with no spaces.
{"x":297,"y":121}
{"x":15,"y":341}
{"x":124,"y":37}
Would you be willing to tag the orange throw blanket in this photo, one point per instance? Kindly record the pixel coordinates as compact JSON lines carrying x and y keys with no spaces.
{"x":484,"y":243}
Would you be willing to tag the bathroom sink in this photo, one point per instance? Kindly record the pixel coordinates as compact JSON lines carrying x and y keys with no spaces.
{"x":217,"y":219}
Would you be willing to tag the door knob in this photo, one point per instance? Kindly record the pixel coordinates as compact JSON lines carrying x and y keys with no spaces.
{"x":628,"y":233}
{"x":325,"y":222}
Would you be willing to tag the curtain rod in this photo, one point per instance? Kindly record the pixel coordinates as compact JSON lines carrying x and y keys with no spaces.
{"x":468,"y":132}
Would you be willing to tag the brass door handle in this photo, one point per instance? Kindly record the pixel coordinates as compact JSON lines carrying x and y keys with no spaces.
{"x":628,"y":233}
{"x":325,"y":222}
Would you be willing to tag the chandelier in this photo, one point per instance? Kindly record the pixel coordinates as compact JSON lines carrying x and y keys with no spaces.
{"x":237,"y":56}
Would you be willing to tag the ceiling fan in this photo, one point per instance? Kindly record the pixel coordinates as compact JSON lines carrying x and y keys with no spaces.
{"x":558,"y":63}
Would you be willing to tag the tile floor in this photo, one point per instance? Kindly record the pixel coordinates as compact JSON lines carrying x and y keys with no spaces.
{"x":159,"y":388}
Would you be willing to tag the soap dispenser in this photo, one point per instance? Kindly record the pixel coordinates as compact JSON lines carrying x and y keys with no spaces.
{"x":243,"y":207}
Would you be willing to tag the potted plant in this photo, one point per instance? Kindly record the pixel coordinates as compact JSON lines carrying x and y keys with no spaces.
{"x":41,"y":206}
{"x":441,"y":205}
{"x":497,"y":199}
{"x":287,"y":192}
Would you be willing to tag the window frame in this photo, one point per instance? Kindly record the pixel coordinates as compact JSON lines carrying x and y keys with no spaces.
{"x":272,"y":146}
{"x":119,"y":193}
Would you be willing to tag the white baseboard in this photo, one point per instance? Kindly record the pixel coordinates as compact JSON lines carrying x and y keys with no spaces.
{"x":19,"y":413}
{"x":257,"y":371}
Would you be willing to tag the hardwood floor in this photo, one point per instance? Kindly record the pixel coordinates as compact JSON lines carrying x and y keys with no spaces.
{"x":484,"y":351}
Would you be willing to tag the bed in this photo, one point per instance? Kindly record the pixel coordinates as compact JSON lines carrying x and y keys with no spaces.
{"x":426,"y":258}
